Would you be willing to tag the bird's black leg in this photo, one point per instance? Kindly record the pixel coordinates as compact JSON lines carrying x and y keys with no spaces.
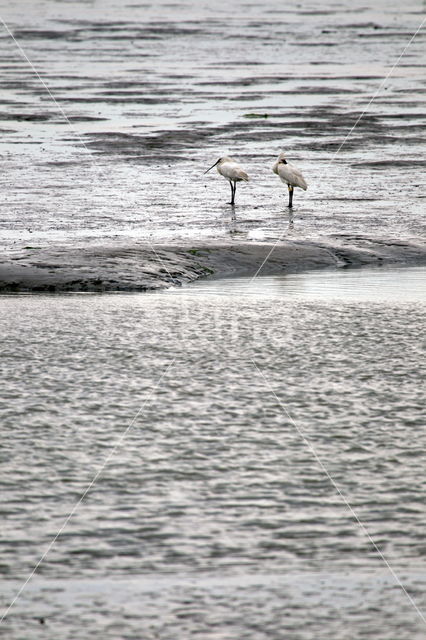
{"x":290,"y":196}
{"x":233,"y":189}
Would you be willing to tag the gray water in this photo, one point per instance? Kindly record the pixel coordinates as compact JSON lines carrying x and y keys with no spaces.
{"x":197,"y":412}
{"x":207,"y":411}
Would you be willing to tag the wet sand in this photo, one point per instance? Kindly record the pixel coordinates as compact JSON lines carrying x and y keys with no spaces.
{"x":149,"y":268}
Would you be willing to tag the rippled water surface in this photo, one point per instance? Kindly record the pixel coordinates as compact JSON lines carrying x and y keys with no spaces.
{"x":226,"y":431}
{"x":197,"y":450}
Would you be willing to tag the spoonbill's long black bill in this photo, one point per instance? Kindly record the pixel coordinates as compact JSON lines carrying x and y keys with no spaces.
{"x":213,"y":165}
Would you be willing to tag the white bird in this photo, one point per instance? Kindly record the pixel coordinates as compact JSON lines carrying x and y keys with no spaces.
{"x":231,"y":170}
{"x":289,"y":174}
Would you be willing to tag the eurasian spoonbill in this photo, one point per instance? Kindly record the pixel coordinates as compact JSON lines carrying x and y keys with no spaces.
{"x":231,"y":170}
{"x":290,"y":175}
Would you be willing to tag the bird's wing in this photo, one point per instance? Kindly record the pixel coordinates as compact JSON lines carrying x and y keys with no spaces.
{"x":288,"y":173}
{"x":301,"y":182}
{"x":243,"y":175}
{"x":233,"y":171}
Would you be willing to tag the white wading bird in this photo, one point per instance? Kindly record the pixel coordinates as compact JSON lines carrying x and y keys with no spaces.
{"x":289,"y":174}
{"x":232,"y":171}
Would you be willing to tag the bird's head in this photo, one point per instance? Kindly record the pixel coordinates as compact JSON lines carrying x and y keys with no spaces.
{"x":281,"y":158}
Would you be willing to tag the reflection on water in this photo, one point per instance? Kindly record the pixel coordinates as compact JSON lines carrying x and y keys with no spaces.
{"x":212,"y":519}
{"x":377,"y":284}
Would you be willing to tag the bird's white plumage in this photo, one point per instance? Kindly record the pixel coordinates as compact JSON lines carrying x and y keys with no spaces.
{"x":230,"y":169}
{"x":288,"y":173}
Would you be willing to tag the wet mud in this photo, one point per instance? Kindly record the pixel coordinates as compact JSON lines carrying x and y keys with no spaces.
{"x":152,"y":268}
{"x":148,"y":96}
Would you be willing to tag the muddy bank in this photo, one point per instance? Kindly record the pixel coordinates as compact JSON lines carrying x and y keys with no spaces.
{"x":143,"y":267}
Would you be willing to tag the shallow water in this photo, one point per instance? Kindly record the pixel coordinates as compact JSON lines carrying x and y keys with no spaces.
{"x":211,"y":516}
{"x":396,"y":285}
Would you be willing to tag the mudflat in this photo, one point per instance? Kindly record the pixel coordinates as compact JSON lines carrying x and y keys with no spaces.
{"x":148,"y":96}
{"x":147,"y":267}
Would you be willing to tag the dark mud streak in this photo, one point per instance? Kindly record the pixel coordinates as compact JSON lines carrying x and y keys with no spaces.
{"x":325,"y":123}
{"x":138,"y":268}
{"x":385,"y":164}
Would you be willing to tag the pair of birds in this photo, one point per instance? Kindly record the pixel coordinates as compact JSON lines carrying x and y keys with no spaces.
{"x":231,"y":170}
